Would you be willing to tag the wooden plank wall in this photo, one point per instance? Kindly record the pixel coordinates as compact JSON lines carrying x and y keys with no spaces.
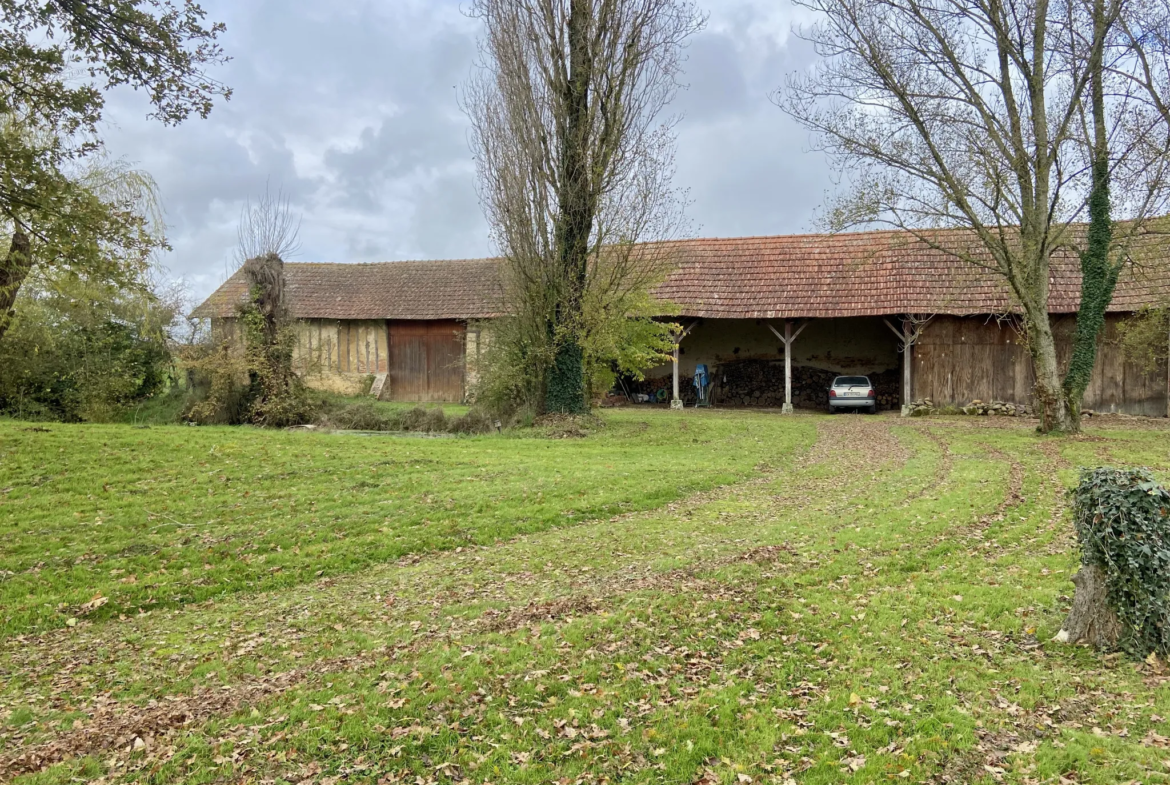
{"x":427,"y":361}
{"x":959,"y":359}
{"x":333,"y":346}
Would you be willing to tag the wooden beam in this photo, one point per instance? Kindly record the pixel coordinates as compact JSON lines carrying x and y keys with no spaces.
{"x":907,"y":359}
{"x":676,"y":401}
{"x":675,"y":397}
{"x":908,"y":336}
{"x":894,"y":329}
{"x":787,"y":338}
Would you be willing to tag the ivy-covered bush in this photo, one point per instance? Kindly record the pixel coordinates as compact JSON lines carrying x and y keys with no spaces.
{"x":1122,"y":520}
{"x":247,"y":375}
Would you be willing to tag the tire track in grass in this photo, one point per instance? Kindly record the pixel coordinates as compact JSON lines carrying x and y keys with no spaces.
{"x":118,"y":727}
{"x":59,"y":653}
{"x":121,"y":728}
{"x":565,"y":609}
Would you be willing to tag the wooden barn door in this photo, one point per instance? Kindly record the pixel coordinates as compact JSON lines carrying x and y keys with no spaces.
{"x":426,"y":361}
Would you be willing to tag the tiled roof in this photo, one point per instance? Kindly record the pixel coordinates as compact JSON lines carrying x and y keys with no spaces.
{"x":865,"y":274}
{"x":451,"y":289}
{"x":789,"y":276}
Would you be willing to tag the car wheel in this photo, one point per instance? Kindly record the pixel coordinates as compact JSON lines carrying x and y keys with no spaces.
{"x":873,"y":409}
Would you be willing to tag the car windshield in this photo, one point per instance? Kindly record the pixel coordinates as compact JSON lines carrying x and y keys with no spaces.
{"x":851,"y":381}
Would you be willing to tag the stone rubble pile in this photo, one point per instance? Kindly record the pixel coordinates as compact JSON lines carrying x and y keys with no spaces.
{"x":976,"y":408}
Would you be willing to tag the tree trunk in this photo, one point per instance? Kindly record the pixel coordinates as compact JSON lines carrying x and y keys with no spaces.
{"x":1091,"y":619}
{"x":13,"y":270}
{"x":1052,"y":404}
{"x":1098,"y":275}
{"x":565,"y":385}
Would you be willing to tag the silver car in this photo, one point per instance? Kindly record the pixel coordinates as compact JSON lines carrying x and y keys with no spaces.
{"x":852,"y":393}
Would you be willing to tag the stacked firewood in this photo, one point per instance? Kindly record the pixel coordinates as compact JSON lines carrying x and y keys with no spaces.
{"x":761,"y":383}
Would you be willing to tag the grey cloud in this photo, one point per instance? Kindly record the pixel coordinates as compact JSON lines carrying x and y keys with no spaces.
{"x":441,"y":218}
{"x":408,"y":143}
{"x":716,"y":84}
{"x":352,"y":107}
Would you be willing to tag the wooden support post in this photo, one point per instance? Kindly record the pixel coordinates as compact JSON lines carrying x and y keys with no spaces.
{"x":676,"y":400}
{"x":907,"y":360}
{"x":912,"y":327}
{"x":787,"y":338}
{"x":787,"y":408}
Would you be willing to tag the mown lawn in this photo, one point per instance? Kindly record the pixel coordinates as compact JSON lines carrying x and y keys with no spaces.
{"x":122,"y":519}
{"x":876,"y":606}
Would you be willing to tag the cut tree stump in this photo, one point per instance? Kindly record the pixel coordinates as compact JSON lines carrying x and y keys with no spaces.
{"x":1091,"y":619}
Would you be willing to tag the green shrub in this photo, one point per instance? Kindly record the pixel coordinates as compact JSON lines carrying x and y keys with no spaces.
{"x":360,"y":415}
{"x":1143,"y":337}
{"x":475,"y":421}
{"x":83,"y":352}
{"x":1122,"y":519}
{"x":368,"y":415}
{"x":524,"y":366}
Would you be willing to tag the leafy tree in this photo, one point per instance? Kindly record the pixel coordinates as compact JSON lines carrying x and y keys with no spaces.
{"x":58,"y":58}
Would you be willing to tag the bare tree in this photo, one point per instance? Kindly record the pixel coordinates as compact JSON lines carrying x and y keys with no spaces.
{"x":1014,"y":121}
{"x":268,"y":227}
{"x":575,"y":161}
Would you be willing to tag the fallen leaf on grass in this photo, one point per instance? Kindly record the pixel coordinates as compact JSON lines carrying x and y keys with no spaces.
{"x":97,"y":602}
{"x":854,"y":763}
{"x":1153,"y":739}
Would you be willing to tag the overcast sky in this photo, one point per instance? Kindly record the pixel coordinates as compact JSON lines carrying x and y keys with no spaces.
{"x":351,"y":107}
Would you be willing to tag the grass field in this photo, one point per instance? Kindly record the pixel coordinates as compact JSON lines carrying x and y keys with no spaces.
{"x":711,"y":597}
{"x":168,"y":516}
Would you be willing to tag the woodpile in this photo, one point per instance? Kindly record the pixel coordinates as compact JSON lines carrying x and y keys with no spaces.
{"x":761,"y":383}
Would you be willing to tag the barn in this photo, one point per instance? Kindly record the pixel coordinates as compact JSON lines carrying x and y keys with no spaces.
{"x":773,"y":318}
{"x":410,"y":326}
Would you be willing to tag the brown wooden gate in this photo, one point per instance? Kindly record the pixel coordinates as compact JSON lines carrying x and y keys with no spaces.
{"x":426,"y":361}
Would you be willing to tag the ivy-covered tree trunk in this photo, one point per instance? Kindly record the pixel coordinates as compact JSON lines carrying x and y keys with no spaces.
{"x":1098,"y":272}
{"x":13,"y":270}
{"x":565,"y":392}
{"x":565,"y":382}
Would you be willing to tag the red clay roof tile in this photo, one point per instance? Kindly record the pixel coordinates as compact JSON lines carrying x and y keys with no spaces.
{"x":789,"y":276}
